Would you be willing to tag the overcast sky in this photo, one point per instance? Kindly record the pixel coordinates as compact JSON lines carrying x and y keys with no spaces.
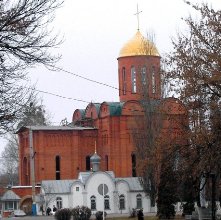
{"x":94,"y":32}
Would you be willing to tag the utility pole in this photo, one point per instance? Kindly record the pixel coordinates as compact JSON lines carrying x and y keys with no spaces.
{"x":103,"y":202}
{"x":32,"y":166}
{"x":213,"y":197}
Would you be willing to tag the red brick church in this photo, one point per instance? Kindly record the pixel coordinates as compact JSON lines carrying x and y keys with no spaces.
{"x":61,"y":152}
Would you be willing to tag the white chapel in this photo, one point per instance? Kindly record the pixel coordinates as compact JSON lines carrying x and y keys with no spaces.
{"x":98,"y":190}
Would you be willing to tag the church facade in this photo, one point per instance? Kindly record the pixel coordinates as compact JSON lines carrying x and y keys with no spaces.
{"x":63,"y":152}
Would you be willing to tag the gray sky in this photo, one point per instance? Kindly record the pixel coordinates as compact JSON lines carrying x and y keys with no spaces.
{"x":94,"y":32}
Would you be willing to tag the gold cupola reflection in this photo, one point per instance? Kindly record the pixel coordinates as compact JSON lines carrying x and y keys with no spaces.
{"x":139,"y":46}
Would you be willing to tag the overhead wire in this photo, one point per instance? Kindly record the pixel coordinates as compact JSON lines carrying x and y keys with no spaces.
{"x":82,"y":77}
{"x":85,"y":78}
{"x":60,"y":96}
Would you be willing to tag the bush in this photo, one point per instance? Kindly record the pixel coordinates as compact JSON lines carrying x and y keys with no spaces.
{"x":188,"y":208}
{"x":166,"y":211}
{"x":99,"y":215}
{"x":63,"y":214}
{"x":81,"y":213}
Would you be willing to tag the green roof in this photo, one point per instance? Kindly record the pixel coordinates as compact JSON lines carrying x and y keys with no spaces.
{"x":82,"y":111}
{"x":97,"y":106}
{"x":115,"y":108}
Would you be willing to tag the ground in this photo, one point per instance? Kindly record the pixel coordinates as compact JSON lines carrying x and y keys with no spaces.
{"x":110,"y":217}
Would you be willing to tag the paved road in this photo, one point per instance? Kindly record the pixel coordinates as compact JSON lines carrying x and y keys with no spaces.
{"x":31,"y":218}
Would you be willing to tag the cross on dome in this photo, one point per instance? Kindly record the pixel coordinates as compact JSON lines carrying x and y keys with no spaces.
{"x":137,"y":14}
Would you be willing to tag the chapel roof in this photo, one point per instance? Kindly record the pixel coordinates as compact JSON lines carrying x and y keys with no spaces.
{"x":138,"y":46}
{"x":9,"y":195}
{"x":64,"y":186}
{"x":83,"y":176}
{"x":95,"y":158}
{"x":58,"y":186}
{"x":133,"y":182}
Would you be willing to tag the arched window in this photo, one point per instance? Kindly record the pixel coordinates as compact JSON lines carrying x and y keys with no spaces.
{"x":106,"y":202}
{"x":153,"y":80}
{"x":93,"y":203}
{"x":122,"y":202}
{"x":134,"y":164}
{"x":57,"y":168}
{"x":88,"y":165}
{"x":144,"y":75}
{"x":133,"y":80}
{"x":124,"y":81}
{"x":59,"y":202}
{"x":26,"y":171}
{"x":139,"y":201}
{"x":106,"y":162}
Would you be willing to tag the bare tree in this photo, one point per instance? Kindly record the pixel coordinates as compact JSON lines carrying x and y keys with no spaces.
{"x":10,"y":159}
{"x":25,"y":40}
{"x":48,"y":194}
{"x":156,"y":130}
{"x":35,"y":114}
{"x":194,"y":69}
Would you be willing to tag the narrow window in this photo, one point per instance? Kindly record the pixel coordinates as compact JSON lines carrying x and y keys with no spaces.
{"x":93,"y":203}
{"x":144,"y":75}
{"x":139,"y":201}
{"x":59,"y":202}
{"x":133,"y":80}
{"x":57,"y":167}
{"x":122,"y":202}
{"x":106,"y":162}
{"x":15,"y":205}
{"x":124,"y":80}
{"x":106,"y":202}
{"x":26,"y":171}
{"x":133,"y":160}
{"x":77,"y":189}
{"x":88,"y":166}
{"x":153,"y":80}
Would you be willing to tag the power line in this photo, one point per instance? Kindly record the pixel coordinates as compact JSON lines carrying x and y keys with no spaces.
{"x":91,"y":80}
{"x":60,"y":96}
{"x":88,"y":102}
{"x":85,"y":78}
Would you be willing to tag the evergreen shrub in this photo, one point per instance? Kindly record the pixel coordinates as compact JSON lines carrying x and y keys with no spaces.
{"x":167,"y":196}
{"x":81,"y":213}
{"x":63,"y":214}
{"x":99,"y":215}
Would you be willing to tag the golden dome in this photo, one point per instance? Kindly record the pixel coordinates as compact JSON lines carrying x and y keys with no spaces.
{"x":138,"y":45}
